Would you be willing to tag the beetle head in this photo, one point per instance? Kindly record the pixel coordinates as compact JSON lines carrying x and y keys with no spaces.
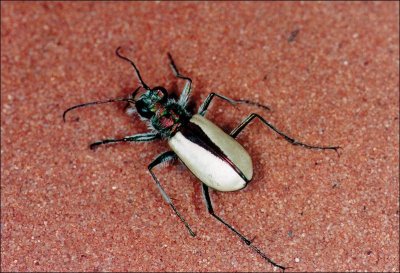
{"x":146,"y":105}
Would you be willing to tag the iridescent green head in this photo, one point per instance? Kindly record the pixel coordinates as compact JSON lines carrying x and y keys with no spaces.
{"x":148,"y":103}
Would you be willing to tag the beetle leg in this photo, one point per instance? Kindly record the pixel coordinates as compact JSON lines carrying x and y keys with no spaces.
{"x":248,"y":242}
{"x":247,"y":120}
{"x":184,"y":97}
{"x":203,"y":107}
{"x":138,"y":138}
{"x":160,"y":159}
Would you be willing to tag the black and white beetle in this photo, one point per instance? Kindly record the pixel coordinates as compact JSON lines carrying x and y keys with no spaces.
{"x":212,"y":155}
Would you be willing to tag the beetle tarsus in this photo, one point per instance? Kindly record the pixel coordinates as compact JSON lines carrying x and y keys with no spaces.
{"x":266,"y":258}
{"x":94,"y":145}
{"x":337,"y":150}
{"x":252,"y":240}
{"x":191,"y":232}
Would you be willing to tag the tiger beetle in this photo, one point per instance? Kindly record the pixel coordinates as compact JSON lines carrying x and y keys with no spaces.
{"x":212,"y":155}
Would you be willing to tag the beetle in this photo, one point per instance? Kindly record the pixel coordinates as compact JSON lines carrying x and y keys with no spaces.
{"x":216,"y":158}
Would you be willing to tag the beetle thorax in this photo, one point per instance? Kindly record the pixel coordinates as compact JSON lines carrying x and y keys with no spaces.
{"x":169,"y":117}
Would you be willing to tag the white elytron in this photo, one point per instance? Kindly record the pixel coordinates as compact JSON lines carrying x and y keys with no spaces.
{"x":213,"y":170}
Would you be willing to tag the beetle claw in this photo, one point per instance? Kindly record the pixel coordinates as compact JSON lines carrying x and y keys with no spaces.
{"x":94,"y":145}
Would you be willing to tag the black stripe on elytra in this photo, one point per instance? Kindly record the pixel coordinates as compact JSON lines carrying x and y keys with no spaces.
{"x":195,"y":134}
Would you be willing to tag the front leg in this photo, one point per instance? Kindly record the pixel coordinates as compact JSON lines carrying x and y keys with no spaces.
{"x":184,"y":97}
{"x":135,"y":138}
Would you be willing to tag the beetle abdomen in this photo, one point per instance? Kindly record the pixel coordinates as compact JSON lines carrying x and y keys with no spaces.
{"x":213,"y":156}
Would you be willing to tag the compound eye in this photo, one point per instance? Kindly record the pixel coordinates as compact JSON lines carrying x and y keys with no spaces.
{"x":143,"y":110}
{"x":161,"y":93}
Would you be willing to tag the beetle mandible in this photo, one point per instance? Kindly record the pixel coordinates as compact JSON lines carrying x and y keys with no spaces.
{"x":212,"y":155}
